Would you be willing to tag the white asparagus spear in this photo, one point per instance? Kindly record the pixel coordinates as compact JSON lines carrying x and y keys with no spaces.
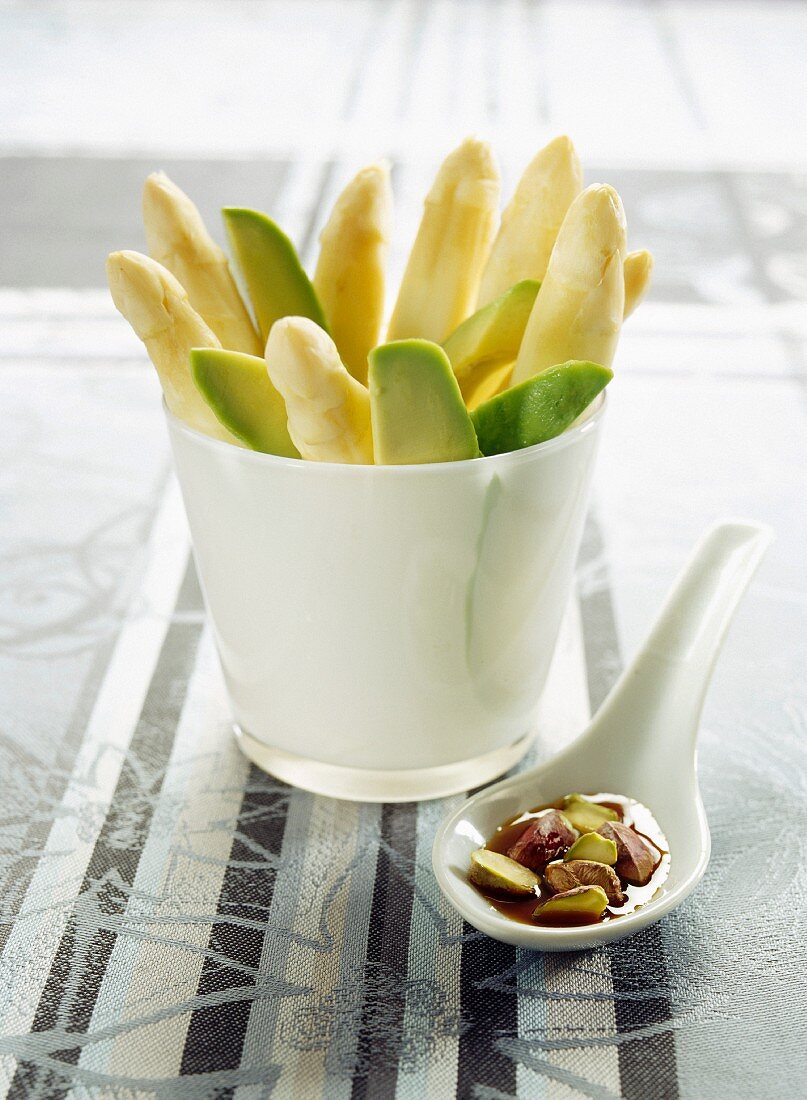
{"x":597,"y":326}
{"x":178,"y":239}
{"x":549,"y":185}
{"x":350,"y":275}
{"x":638,"y":268}
{"x":574,"y":313}
{"x":638,"y":273}
{"x":157,"y":308}
{"x":441,"y":281}
{"x":328,"y":410}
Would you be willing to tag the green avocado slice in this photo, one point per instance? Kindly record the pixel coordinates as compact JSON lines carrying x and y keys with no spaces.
{"x":277,"y":284}
{"x":490,"y":338}
{"x":237,"y":388}
{"x":416,"y":407}
{"x":540,"y":408}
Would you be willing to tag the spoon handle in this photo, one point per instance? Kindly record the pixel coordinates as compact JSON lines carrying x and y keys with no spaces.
{"x":661,"y":693}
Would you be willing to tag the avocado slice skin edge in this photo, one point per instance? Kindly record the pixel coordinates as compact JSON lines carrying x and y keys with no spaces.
{"x":276,"y":281}
{"x":237,"y":388}
{"x":540,"y":408}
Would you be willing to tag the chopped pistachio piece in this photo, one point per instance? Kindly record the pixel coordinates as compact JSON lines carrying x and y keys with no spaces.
{"x":545,"y":838}
{"x":594,"y":847}
{"x":586,"y":816}
{"x":635,"y":860}
{"x":582,"y":901}
{"x":493,"y":871}
{"x":585,"y":872}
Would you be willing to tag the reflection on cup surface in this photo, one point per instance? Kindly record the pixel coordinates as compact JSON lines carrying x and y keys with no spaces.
{"x":386,"y":618}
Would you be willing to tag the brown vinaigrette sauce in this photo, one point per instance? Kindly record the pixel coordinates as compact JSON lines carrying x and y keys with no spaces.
{"x":631,"y":813}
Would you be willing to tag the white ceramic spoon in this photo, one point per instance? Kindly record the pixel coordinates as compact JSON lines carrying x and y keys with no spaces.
{"x":641,"y":743}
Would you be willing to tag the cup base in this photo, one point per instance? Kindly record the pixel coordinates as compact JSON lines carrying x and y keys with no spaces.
{"x":370,"y":785}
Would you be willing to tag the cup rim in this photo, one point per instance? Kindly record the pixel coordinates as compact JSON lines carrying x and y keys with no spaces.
{"x":593,"y":416}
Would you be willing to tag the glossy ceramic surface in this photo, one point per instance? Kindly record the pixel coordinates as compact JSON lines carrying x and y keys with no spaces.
{"x":381,"y":626}
{"x":641,"y":743}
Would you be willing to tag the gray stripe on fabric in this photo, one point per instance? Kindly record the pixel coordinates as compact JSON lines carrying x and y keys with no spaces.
{"x":68,"y":998}
{"x":492,"y":1013}
{"x":15,"y":881}
{"x":341,"y":846}
{"x":432,"y":1016}
{"x":208,"y":1086}
{"x":170,"y":881}
{"x":216,"y":1032}
{"x":259,"y":1035}
{"x":190,"y":593}
{"x":647,"y":1066}
{"x":17,"y":877}
{"x":341,"y":1053}
{"x":524,"y":1054}
{"x":380,"y":1041}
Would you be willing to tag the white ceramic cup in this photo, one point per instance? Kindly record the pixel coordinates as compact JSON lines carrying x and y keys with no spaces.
{"x":385,"y":632}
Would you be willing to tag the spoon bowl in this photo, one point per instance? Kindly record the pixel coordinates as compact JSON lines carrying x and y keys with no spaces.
{"x":641,"y":744}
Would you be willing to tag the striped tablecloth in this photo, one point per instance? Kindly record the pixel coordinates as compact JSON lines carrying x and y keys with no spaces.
{"x":174,"y":923}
